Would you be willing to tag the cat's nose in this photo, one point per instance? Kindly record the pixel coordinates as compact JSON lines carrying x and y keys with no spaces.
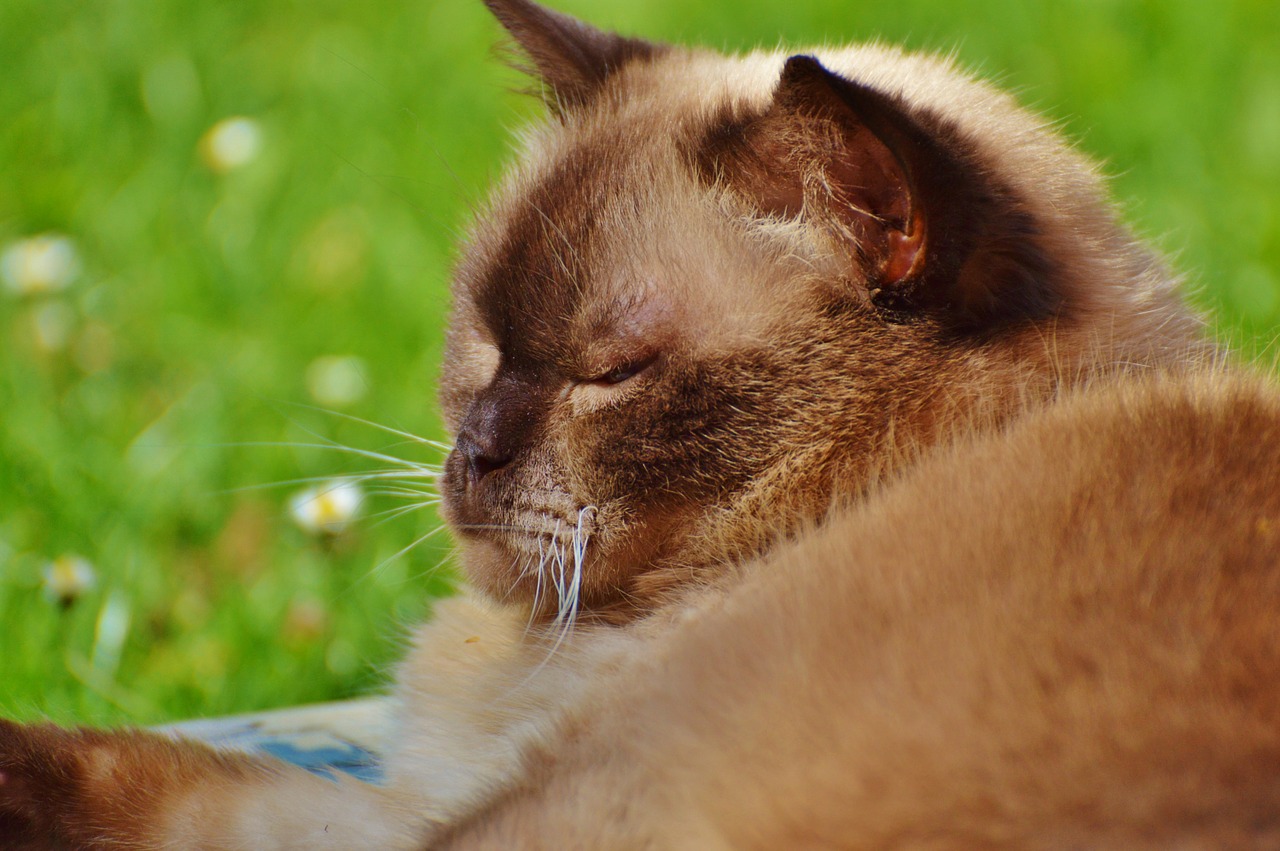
{"x":481,"y":460}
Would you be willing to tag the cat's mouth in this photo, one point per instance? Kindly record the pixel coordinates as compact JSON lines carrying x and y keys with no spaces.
{"x":536,"y":530}
{"x":535,"y":553}
{"x":529,"y":538}
{"x":528,"y":528}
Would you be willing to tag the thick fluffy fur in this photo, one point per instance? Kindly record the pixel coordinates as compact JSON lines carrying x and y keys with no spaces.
{"x":1056,"y":637}
{"x":834,"y":471}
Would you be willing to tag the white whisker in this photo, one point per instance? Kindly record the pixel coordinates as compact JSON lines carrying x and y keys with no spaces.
{"x":333,"y":446}
{"x":407,"y":493}
{"x":386,"y":561}
{"x":571,"y":591}
{"x":358,"y":478}
{"x":390,"y":514}
{"x":409,"y":436}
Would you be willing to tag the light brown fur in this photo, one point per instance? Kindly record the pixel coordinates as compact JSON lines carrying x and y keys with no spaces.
{"x":907,"y":506}
{"x":1057,"y":637}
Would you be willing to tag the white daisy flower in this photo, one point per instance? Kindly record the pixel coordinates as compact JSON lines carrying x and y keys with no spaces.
{"x":231,"y":143}
{"x":40,"y":264}
{"x":67,"y":578}
{"x":327,"y":508}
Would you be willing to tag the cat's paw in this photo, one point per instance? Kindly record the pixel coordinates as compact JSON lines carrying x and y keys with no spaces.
{"x":39,"y":771}
{"x":88,"y":789}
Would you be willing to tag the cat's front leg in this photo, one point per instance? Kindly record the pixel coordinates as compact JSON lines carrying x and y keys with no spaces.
{"x":480,"y":688}
{"x":93,"y":789}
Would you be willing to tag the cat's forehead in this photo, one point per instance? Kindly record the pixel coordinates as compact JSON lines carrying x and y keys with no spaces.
{"x":605,"y":226}
{"x":604,"y":214}
{"x":549,"y":253}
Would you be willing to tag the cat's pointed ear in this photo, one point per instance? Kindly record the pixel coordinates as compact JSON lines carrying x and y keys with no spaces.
{"x":925,"y":224}
{"x":570,"y":58}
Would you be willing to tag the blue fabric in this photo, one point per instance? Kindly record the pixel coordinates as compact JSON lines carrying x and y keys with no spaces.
{"x":342,"y":756}
{"x":324,"y":739}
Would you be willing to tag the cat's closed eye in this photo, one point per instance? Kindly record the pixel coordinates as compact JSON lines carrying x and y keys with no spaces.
{"x":612,"y":383}
{"x":624,"y":370}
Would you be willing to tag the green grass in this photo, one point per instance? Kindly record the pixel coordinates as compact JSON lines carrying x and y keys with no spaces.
{"x":141,"y":440}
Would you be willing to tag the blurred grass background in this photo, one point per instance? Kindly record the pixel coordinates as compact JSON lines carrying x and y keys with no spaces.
{"x":219,"y":278}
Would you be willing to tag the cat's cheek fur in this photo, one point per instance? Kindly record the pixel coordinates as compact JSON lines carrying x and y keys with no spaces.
{"x":489,"y":566}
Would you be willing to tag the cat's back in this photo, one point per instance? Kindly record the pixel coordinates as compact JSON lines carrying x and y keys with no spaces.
{"x":1060,"y":635}
{"x":1073,"y":627}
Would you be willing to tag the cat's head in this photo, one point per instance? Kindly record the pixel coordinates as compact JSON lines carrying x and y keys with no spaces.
{"x":718,"y":293}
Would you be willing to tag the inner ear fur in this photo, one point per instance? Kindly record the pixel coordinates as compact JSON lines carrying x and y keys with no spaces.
{"x":571,"y":59}
{"x":929,"y":231}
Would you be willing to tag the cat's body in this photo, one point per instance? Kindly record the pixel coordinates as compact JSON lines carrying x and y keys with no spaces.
{"x":1048,"y":650}
{"x":845,"y":474}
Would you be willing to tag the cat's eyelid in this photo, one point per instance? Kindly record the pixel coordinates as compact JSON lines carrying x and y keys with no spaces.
{"x":624,"y":370}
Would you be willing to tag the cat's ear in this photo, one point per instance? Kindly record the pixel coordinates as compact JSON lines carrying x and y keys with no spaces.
{"x":928,"y":229}
{"x":570,"y":58}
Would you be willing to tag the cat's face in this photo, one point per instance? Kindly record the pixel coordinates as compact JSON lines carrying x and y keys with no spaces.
{"x":719,"y":293}
{"x":612,"y":364}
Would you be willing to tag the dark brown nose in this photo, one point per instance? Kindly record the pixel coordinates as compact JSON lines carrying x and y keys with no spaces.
{"x":481,"y":459}
{"x":500,"y":423}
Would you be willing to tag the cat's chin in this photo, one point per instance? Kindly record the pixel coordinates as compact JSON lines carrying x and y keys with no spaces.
{"x":509,"y":570}
{"x":609,"y":575}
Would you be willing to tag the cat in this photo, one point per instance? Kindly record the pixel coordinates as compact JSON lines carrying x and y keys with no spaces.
{"x":831,"y":468}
